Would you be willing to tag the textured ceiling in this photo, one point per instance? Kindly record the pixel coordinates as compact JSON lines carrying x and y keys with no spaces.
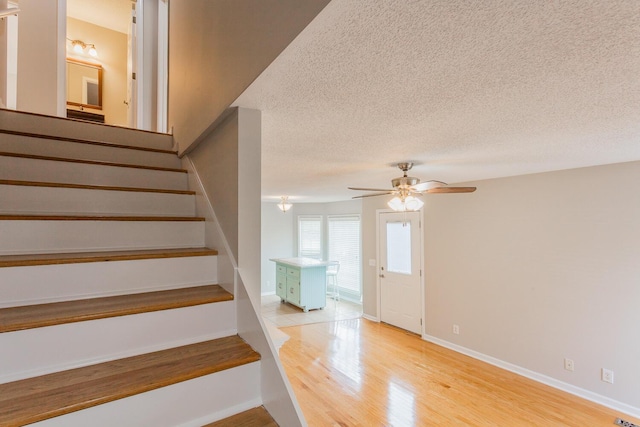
{"x":111,"y":14}
{"x":467,"y":90}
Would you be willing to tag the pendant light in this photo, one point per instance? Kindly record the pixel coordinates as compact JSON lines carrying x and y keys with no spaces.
{"x":284,"y":204}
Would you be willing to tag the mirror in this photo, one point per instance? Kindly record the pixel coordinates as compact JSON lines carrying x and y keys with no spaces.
{"x":84,"y":84}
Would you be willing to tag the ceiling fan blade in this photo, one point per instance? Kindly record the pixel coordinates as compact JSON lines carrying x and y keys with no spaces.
{"x":373,"y":195}
{"x":369,"y":189}
{"x":445,"y":190}
{"x":427,"y":185}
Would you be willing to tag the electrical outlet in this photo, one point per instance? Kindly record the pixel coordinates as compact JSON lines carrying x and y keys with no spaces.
{"x":568,"y":364}
{"x":456,"y":329}
{"x":607,"y":376}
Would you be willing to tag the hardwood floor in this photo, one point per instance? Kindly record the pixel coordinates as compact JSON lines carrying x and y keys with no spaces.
{"x":362,"y":373}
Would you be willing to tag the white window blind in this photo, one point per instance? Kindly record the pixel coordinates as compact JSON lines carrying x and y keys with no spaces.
{"x":310,"y":237}
{"x":344,"y":247}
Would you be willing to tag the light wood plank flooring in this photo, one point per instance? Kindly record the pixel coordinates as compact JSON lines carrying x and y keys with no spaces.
{"x":283,"y":314}
{"x":362,"y":373}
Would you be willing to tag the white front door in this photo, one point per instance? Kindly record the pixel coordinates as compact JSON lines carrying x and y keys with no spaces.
{"x":399,"y":269}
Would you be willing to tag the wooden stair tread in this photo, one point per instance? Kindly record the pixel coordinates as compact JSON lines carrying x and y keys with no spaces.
{"x":90,"y":162}
{"x":95,"y":124}
{"x":97,"y":218}
{"x":36,"y":399}
{"x":91,"y":187}
{"x":84,"y":257}
{"x":256,"y":417}
{"x":40,"y":315}
{"x":86,"y":141}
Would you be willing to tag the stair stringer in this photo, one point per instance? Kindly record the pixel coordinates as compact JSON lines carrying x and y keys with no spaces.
{"x":276,"y":391}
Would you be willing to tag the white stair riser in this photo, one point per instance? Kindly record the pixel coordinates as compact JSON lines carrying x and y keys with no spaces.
{"x":14,"y":120}
{"x":53,"y":283}
{"x":96,"y":152}
{"x":24,"y":169}
{"x":40,"y":351}
{"x":18,"y":199}
{"x":22,"y":237}
{"x":187,"y":404}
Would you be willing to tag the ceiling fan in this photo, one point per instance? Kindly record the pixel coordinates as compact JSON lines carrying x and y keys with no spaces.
{"x":405,"y":188}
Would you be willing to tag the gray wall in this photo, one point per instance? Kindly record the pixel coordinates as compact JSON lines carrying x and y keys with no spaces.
{"x":216,"y":160}
{"x":534,"y":269}
{"x":216,"y":50}
{"x":228,"y":164}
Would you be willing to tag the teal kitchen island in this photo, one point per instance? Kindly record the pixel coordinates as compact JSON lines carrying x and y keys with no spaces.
{"x":302,"y":282}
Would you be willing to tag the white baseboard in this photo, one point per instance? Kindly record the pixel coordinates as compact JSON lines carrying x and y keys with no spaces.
{"x":560,"y":385}
{"x":372,"y":318}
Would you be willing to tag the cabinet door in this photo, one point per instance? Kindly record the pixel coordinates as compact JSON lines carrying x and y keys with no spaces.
{"x":281,"y":286}
{"x":293,"y":290}
{"x":281,"y":281}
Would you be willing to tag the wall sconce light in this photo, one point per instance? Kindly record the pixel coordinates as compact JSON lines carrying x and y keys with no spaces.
{"x":78,"y":46}
{"x":284,"y":204}
{"x":10,"y":11}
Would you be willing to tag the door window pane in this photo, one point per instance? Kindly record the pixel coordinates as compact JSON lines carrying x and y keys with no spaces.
{"x":399,"y":247}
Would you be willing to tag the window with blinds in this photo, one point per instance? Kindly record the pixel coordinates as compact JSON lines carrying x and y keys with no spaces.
{"x":344,"y":247}
{"x":310,"y":237}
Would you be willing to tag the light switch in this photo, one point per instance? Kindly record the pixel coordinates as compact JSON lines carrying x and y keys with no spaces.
{"x":372,"y":263}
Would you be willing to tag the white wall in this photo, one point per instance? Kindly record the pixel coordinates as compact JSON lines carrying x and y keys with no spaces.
{"x":277,"y":242}
{"x":537,"y":268}
{"x":4,"y":51}
{"x":147,"y":89}
{"x":41,"y":57}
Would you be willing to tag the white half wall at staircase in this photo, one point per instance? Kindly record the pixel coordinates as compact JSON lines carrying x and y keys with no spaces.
{"x":224,"y":171}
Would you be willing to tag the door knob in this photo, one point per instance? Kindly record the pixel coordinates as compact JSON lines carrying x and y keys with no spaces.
{"x":381,"y":275}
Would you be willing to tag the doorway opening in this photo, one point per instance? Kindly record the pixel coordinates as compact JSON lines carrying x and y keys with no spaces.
{"x":130,"y":42}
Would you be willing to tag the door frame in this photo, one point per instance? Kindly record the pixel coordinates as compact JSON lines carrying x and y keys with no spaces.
{"x":379,"y":212}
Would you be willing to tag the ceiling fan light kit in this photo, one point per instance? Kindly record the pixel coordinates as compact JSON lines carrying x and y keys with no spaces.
{"x":405,"y":187}
{"x":409,"y":204}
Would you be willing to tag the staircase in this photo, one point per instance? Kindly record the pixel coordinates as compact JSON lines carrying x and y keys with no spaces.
{"x":110,"y":311}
